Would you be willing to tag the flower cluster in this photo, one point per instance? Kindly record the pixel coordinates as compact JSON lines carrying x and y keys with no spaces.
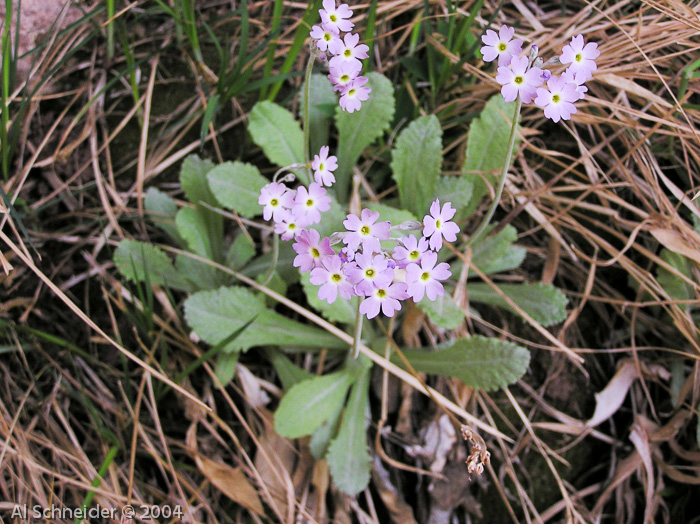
{"x":363,"y":267}
{"x":524,"y":76}
{"x":345,"y":65}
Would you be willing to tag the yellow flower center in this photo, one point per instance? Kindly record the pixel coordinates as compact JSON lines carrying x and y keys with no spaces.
{"x":413,"y":255}
{"x":309,"y":203}
{"x":556,"y":98}
{"x":502,"y":47}
{"x":274,"y":202}
{"x":364,"y":230}
{"x":438,"y":224}
{"x":327,"y":37}
{"x":518,"y":80}
{"x":425,"y":276}
{"x":315,"y":253}
{"x":333,"y":18}
{"x":321,"y":167}
{"x":579,"y":57}
{"x":381,"y":293}
{"x":335,"y":277}
{"x":369,"y":273}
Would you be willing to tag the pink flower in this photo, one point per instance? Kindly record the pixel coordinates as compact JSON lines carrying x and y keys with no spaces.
{"x":344,"y":73}
{"x":437,"y":225}
{"x":409,"y":249}
{"x":369,"y":272}
{"x":517,"y":79}
{"x":311,"y":249}
{"x":582,"y":58}
{"x":365,"y":231}
{"x":336,"y":19}
{"x":347,"y":50}
{"x":276,"y":198}
{"x":578,"y":79}
{"x":558,"y":101}
{"x":501,"y":45}
{"x":354,"y":93}
{"x":324,"y":36}
{"x":385,"y":298}
{"x":287,"y":226}
{"x":309,"y":204}
{"x":323,"y":165}
{"x":425,"y":279}
{"x":332,"y":279}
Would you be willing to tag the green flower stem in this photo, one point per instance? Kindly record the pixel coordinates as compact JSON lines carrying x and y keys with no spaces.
{"x":273,"y":262}
{"x":502,"y":181}
{"x":358,"y":330}
{"x":307,"y":126}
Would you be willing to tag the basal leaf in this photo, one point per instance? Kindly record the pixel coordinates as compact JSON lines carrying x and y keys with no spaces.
{"x":275,"y":130}
{"x":443,"y":312}
{"x":135,"y":260}
{"x":193,"y":179}
{"x":161,"y":210}
{"x":348,"y":456}
{"x":192,"y":227}
{"x":676,"y":288}
{"x":237,"y":185}
{"x":225,"y":368}
{"x":215,"y":314}
{"x":359,"y":129}
{"x":339,"y":311}
{"x":202,"y":275}
{"x":487,"y":144}
{"x":416,"y":163}
{"x":496,"y":253}
{"x":457,"y":191}
{"x":322,"y":103}
{"x":241,"y":251}
{"x":321,"y":438}
{"x":545,"y":303}
{"x":288,"y":373}
{"x":311,"y":402}
{"x":478,"y":361}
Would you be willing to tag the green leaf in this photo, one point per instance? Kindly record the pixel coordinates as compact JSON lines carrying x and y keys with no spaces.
{"x":332,"y":220}
{"x":193,"y":179}
{"x":673,"y":285}
{"x":225,"y":368}
{"x":215,"y":314}
{"x":339,"y":311}
{"x":288,"y":373}
{"x":274,"y":129}
{"x":321,"y":438}
{"x":487,"y":144}
{"x":322,"y":104}
{"x":192,"y":227}
{"x":161,"y":209}
{"x":237,"y":185}
{"x":311,"y":402}
{"x":545,"y":303}
{"x":478,"y":361}
{"x":443,"y":312}
{"x":416,"y":163}
{"x":495,"y":253}
{"x":393,"y":215}
{"x":202,"y":276}
{"x":359,"y":129}
{"x":457,"y":191}
{"x":348,"y":457}
{"x":135,"y":260}
{"x":241,"y":251}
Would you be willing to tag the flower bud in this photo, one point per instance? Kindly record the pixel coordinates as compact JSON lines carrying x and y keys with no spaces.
{"x":409,"y":225}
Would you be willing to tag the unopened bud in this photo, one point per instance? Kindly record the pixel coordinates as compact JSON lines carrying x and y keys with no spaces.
{"x":533,"y":53}
{"x":409,"y":225}
{"x":337,"y":237}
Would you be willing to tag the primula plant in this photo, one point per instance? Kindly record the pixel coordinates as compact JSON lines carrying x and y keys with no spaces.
{"x":361,"y":263}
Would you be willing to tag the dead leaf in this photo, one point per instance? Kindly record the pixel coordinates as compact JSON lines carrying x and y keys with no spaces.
{"x":640,"y":439}
{"x":676,"y":242}
{"x":611,"y":398}
{"x":232,"y":482}
{"x":257,"y":397}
